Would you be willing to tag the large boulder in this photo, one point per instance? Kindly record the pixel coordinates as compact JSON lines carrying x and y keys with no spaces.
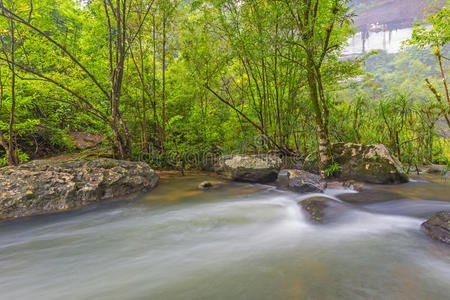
{"x":43,"y":186}
{"x":322,"y":209}
{"x":438,"y":226}
{"x":262,"y":168}
{"x":367,"y":163}
{"x":304,"y":182}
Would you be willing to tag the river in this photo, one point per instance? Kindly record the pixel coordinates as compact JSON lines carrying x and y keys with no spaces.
{"x":237,"y":241}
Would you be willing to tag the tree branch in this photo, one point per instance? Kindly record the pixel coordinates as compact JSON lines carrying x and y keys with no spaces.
{"x":60,"y":85}
{"x":12,"y":16}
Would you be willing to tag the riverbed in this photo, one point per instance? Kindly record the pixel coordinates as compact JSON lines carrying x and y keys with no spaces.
{"x":236,"y":241}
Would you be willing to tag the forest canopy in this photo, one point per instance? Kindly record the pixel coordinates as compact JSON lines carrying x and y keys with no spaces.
{"x":162,"y":80}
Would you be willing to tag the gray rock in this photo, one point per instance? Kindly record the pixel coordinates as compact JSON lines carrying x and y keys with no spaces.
{"x":438,"y":226}
{"x":283,"y":179}
{"x":44,"y":186}
{"x":322,"y":209}
{"x":367,"y":163}
{"x":353,"y":185}
{"x":304,"y":182}
{"x":262,"y":168}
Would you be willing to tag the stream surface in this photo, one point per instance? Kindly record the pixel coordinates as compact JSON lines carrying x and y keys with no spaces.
{"x":237,"y":241}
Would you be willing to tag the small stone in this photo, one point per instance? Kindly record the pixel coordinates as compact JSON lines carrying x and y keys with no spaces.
{"x":353,"y":185}
{"x":205,"y":185}
{"x":322,"y":209}
{"x":315,"y":207}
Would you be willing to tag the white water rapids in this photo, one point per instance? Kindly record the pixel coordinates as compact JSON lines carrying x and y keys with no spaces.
{"x":239,"y":242}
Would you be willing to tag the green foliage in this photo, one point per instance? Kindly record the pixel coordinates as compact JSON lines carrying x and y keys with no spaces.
{"x":332,"y":169}
{"x":235,"y":80}
{"x":23,"y":157}
{"x":434,"y":33}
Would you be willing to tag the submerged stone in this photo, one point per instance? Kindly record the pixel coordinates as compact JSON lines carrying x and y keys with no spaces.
{"x":44,"y":186}
{"x":438,"y":227}
{"x":322,"y":209}
{"x":205,"y":185}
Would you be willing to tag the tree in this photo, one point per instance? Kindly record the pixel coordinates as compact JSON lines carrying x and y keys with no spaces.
{"x":10,"y":146}
{"x":321,"y":28}
{"x":115,"y":17}
{"x":435,"y":34}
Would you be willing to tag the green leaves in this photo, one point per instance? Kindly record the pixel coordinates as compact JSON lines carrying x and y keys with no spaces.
{"x":434,"y":33}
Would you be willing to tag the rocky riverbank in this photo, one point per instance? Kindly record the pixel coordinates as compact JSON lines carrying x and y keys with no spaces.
{"x":45,"y":186}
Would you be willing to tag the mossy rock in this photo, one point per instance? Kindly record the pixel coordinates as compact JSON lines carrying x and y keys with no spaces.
{"x":322,"y":210}
{"x":367,"y":163}
{"x":438,"y":227}
{"x":46,"y":186}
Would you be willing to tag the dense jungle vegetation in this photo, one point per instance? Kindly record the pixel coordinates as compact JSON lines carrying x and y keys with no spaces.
{"x":167,"y":80}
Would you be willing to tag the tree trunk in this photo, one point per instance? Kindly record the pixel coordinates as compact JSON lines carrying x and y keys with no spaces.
{"x":163,"y":137}
{"x":321,"y":122}
{"x":12,"y":156}
{"x":444,"y":82}
{"x":156,"y":127}
{"x":118,"y":126}
{"x":144,"y":104}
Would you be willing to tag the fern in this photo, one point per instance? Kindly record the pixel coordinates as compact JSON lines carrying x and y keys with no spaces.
{"x":332,"y":169}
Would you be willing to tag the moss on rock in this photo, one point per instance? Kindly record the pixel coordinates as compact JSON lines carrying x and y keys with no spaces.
{"x":45,"y":186}
{"x":368,"y":163}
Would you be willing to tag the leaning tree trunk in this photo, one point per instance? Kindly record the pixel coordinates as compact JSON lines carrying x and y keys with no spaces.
{"x":163,"y":133}
{"x":11,"y":150}
{"x":122,"y":145}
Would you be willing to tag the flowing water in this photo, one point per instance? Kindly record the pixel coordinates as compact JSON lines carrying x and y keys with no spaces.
{"x":237,"y":241}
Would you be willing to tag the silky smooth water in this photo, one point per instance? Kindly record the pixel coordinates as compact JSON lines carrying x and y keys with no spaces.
{"x":238,"y":241}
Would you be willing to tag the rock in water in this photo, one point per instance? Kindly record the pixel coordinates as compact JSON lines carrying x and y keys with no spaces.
{"x":322,"y":209}
{"x":205,"y":185}
{"x":262,"y":168}
{"x":438,"y":226}
{"x":367,"y":163}
{"x":304,"y":182}
{"x":437,"y":169}
{"x":44,"y":186}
